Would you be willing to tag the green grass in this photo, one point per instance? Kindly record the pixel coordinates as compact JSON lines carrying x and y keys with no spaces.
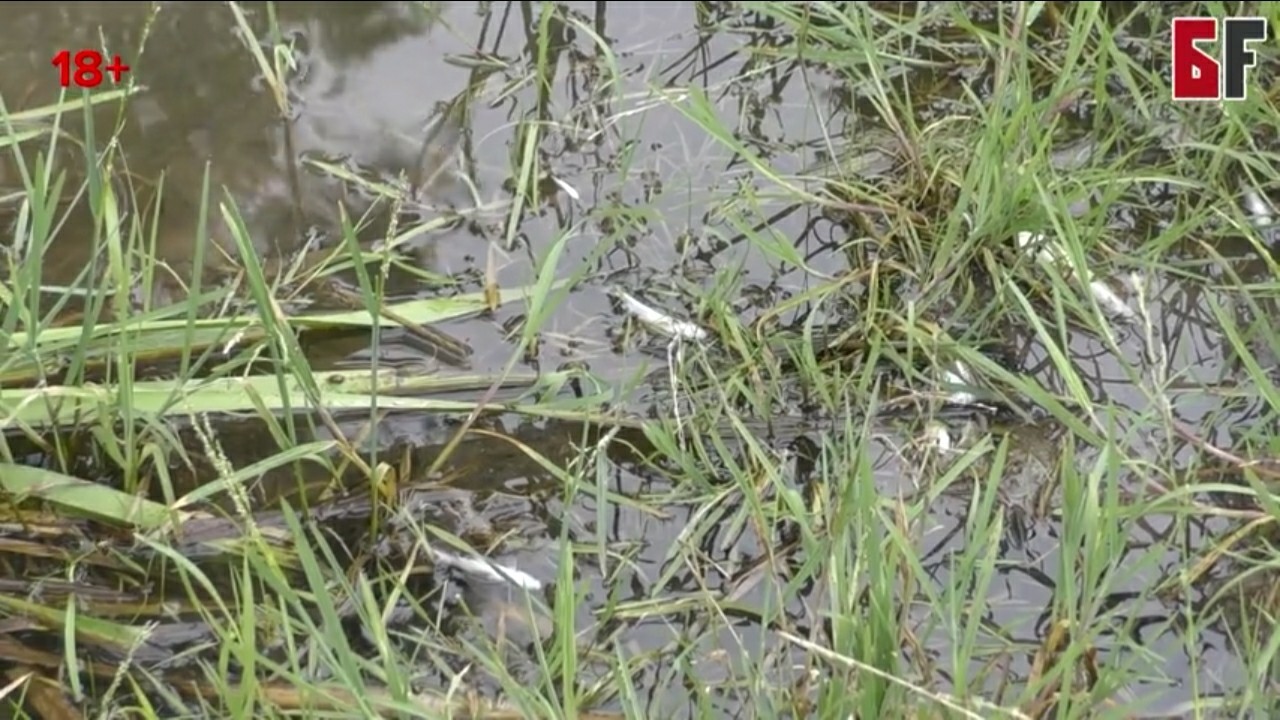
{"x":871,"y":559}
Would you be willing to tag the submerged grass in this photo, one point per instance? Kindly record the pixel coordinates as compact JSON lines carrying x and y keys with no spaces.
{"x":846,"y":547}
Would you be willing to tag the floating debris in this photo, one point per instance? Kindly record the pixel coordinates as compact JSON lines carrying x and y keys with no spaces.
{"x":679,"y":329}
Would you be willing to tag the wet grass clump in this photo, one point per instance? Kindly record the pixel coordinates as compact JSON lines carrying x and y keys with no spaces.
{"x":1002,"y":446}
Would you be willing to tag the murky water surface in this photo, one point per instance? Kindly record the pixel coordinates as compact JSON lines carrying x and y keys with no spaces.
{"x":373,"y":80}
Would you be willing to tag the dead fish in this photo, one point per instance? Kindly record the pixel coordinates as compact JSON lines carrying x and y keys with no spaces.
{"x":486,"y":569}
{"x":1051,"y":256}
{"x":1258,"y":208}
{"x":660,"y":321}
{"x":959,"y":376}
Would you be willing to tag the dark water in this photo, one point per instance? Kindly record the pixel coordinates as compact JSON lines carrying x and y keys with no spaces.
{"x":373,"y":79}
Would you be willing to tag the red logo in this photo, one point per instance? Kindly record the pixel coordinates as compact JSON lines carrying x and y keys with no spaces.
{"x":1197,"y":75}
{"x":88,"y":70}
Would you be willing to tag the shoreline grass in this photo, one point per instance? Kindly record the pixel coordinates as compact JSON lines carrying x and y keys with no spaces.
{"x":849,"y":505}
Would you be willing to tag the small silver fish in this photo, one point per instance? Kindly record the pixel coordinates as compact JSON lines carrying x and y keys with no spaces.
{"x":659,"y":321}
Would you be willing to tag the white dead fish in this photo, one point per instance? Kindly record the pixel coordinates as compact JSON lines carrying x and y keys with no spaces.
{"x":1051,"y":256}
{"x":680,"y":329}
{"x":488,"y":570}
{"x":1046,"y":252}
{"x":234,"y":341}
{"x":568,"y":189}
{"x":1258,"y":208}
{"x":936,"y":434}
{"x":959,"y":376}
{"x":1111,"y":303}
